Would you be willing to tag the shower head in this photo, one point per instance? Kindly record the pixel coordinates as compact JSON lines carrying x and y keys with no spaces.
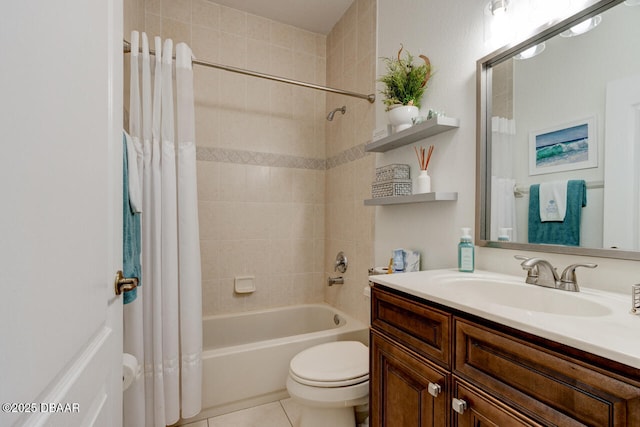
{"x":342,"y":109}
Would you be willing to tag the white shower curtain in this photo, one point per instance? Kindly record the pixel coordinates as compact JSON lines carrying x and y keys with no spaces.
{"x":503,"y":202}
{"x":171,"y":315}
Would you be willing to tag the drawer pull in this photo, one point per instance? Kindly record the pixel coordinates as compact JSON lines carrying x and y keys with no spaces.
{"x":459,"y":405}
{"x":434,"y":389}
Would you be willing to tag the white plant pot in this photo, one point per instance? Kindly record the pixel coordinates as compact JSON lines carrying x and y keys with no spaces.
{"x":401,"y":117}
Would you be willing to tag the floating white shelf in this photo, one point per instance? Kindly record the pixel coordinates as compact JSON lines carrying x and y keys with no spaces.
{"x":414,"y":198}
{"x":415,"y":133}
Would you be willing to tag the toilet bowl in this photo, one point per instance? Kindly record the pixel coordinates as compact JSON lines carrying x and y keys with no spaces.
{"x":328,"y":381}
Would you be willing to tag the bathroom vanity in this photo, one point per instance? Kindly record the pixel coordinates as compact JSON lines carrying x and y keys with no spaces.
{"x":442,"y":356}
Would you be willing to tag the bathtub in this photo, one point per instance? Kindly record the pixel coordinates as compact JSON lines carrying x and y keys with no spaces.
{"x":245,"y":359}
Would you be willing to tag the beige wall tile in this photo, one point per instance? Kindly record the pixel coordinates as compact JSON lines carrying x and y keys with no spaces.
{"x":153,"y":6}
{"x":152,"y":26}
{"x":304,"y":41}
{"x":178,"y":31}
{"x":205,"y":43}
{"x":133,"y":16}
{"x":280,"y":61}
{"x":258,"y":28}
{"x":210,"y":260}
{"x":304,"y":67}
{"x":281,"y":35}
{"x":349,"y":224}
{"x":233,"y":182}
{"x":210,"y":220}
{"x":179,"y":10}
{"x":233,"y":50}
{"x":208,"y":181}
{"x":205,"y":13}
{"x":233,"y":21}
{"x":233,"y":94}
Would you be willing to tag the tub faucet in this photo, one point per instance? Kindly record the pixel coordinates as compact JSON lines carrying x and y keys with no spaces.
{"x":540,"y":272}
{"x":335,"y":281}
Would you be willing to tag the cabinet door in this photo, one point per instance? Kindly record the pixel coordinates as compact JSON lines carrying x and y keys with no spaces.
{"x":403,"y":386}
{"x":425,"y":330}
{"x":480,"y":410}
{"x":546,"y":385}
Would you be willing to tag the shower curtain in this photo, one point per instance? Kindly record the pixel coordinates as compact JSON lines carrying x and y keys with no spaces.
{"x":163,"y":328}
{"x":503,"y":202}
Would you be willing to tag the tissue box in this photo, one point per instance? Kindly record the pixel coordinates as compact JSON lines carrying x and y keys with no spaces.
{"x":394,"y":187}
{"x":392,"y":172}
{"x":411,"y":261}
{"x":405,"y":260}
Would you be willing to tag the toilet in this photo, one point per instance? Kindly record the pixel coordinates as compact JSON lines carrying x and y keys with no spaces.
{"x":328,"y":381}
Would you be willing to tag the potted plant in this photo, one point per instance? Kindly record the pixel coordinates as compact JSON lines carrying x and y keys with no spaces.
{"x":405,"y":83}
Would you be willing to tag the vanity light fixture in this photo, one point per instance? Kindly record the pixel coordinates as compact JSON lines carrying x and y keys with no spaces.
{"x":531,"y":52}
{"x":583,"y":27}
{"x":498,"y":7}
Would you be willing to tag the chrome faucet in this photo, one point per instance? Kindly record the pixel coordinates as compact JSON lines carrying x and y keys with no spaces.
{"x":340,"y":265}
{"x":540,"y":272}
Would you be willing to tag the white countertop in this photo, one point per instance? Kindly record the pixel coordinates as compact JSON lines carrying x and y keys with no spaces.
{"x":613,"y":332}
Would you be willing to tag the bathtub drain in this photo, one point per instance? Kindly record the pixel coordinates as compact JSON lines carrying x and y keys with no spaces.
{"x":336,"y":319}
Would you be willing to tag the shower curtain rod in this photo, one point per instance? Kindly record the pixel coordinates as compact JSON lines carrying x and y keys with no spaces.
{"x":371,"y":97}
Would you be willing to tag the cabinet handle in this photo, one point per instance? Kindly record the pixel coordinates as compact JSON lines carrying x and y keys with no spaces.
{"x":459,"y":405}
{"x":434,"y":389}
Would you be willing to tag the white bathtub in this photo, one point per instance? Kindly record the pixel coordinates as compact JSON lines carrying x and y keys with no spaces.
{"x":246,"y":355}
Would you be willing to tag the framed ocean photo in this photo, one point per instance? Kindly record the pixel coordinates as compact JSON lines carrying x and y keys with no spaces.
{"x":562,"y":148}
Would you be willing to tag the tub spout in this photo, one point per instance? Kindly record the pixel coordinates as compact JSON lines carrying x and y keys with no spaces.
{"x":335,"y":281}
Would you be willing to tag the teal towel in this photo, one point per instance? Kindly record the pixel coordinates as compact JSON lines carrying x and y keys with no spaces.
{"x":565,"y":232}
{"x":131,"y":237}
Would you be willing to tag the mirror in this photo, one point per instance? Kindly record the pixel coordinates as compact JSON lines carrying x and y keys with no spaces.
{"x":569,"y":112}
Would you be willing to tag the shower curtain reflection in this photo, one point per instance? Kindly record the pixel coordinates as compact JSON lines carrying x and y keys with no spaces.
{"x":503,"y":202}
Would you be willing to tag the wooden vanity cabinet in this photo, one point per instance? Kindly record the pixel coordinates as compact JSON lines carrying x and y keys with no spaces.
{"x":407,"y":390}
{"x":485,"y":411}
{"x":487,"y":374}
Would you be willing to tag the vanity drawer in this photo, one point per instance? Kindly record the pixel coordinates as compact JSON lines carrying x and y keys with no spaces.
{"x":545,"y":385}
{"x":423,"y":329}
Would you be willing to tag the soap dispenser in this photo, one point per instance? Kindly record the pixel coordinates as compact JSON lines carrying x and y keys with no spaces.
{"x":465,"y":252}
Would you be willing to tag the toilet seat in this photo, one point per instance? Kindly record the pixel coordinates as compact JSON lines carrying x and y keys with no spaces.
{"x":329,"y":365}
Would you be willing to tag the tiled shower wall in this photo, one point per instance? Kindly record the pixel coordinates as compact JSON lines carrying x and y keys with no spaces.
{"x":351,"y":59}
{"x":267,"y":157}
{"x":261,"y":154}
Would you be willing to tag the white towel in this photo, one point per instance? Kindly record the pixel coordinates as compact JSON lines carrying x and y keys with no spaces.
{"x":553,"y":201}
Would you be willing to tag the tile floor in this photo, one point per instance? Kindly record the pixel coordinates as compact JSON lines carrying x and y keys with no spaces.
{"x":283,"y":413}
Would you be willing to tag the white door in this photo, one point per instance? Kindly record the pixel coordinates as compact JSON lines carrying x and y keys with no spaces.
{"x":60,"y":220}
{"x":621,"y":174}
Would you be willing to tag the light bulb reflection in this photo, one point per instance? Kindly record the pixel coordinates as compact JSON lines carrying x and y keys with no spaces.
{"x":583,"y":27}
{"x":531,"y":52}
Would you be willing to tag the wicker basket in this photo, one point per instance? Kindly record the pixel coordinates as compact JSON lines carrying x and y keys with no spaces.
{"x":393,"y":171}
{"x":394,"y":187}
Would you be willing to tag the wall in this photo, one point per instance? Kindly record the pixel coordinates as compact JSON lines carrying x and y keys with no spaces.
{"x":351,"y":58}
{"x":261,"y":154}
{"x":452,"y":34}
{"x":133,"y":19}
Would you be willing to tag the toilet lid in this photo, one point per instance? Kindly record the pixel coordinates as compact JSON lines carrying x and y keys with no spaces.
{"x":332,"y":364}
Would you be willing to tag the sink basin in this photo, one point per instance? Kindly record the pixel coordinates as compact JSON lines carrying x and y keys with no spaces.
{"x":525,"y":297}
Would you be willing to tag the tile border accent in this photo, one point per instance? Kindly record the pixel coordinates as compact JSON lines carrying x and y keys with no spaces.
{"x":349,"y":155}
{"x":228,"y":155}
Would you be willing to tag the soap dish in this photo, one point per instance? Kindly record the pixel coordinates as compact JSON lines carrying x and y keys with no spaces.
{"x":244,"y":284}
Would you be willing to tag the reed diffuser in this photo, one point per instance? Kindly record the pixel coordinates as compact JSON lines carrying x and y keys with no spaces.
{"x":424,"y":180}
